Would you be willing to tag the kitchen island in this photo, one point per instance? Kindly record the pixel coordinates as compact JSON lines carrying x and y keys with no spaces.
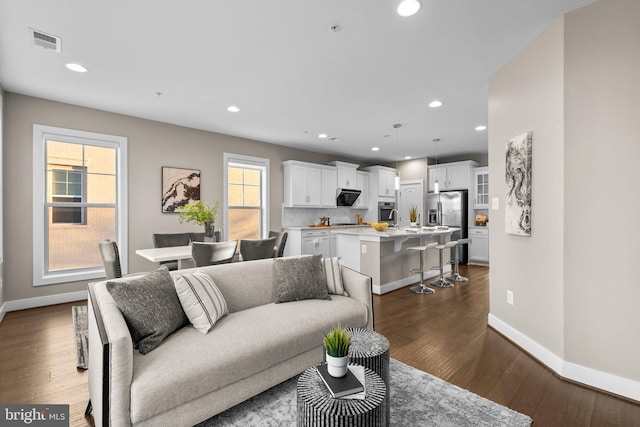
{"x":383,"y":255}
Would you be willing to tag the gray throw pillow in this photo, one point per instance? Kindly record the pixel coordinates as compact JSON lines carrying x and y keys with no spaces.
{"x":150,"y":307}
{"x":300,"y":278}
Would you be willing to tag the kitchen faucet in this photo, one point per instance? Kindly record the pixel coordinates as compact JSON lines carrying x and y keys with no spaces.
{"x":391,"y":215}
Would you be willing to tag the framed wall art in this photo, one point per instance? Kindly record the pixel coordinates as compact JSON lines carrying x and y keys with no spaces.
{"x":179,"y":187}
{"x":517,"y":209}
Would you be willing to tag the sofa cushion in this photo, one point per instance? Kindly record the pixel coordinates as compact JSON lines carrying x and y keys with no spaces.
{"x":150,"y":307}
{"x":201,"y":300}
{"x":241,"y":345}
{"x":333,"y":276}
{"x":300,"y":278}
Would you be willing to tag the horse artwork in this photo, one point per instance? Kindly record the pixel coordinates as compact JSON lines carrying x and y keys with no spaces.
{"x":517,"y":210}
{"x":179,"y":187}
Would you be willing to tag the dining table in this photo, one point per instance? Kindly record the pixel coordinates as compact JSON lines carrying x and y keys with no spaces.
{"x":170,"y":253}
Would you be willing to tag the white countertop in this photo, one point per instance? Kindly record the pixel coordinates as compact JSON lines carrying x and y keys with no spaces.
{"x":400,"y":232}
{"x":332,"y":227}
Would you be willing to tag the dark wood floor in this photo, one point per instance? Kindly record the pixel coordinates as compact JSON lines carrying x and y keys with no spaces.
{"x":445,"y":334}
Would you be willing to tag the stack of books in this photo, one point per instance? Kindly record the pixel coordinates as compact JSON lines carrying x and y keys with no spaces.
{"x":351,"y":386}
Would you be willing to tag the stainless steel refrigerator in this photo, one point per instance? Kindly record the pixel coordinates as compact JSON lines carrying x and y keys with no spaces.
{"x":450,"y":208}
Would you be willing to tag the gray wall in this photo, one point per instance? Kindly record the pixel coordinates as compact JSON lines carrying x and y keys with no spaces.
{"x":1,"y":199}
{"x":602,"y":149}
{"x":151,"y":146}
{"x":576,"y":88}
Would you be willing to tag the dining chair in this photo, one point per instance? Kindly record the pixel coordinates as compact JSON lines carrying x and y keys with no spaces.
{"x":161,"y":240}
{"x":281,"y":244}
{"x":257,"y":249}
{"x":110,"y":259}
{"x":213,"y":253}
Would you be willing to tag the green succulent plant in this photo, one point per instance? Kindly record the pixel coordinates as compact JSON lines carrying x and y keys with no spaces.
{"x":337,"y":342}
{"x":198,"y":212}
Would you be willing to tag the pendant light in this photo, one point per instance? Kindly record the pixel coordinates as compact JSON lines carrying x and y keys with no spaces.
{"x":396,"y":180}
{"x":436,"y":185}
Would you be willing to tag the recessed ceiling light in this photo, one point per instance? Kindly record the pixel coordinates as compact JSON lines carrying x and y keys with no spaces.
{"x":407,"y":157}
{"x":77,"y":68}
{"x":233,"y":109}
{"x":481,"y":127}
{"x":408,"y":7}
{"x":322,"y":135}
{"x":375,"y":148}
{"x":435,"y":104}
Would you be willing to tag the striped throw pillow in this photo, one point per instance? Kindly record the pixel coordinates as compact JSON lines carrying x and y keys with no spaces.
{"x":201,"y":300}
{"x":334,"y":277}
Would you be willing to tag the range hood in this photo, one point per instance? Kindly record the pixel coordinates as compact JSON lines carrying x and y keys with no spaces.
{"x":347,"y":197}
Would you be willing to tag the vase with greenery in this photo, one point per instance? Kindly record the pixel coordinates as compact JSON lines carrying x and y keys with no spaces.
{"x":200,"y":213}
{"x":336,"y":344}
{"x":413,"y":214}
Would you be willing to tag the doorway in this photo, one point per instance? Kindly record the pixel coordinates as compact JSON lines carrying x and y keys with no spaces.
{"x":411,"y":195}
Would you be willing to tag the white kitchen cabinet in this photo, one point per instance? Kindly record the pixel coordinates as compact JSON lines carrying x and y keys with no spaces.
{"x":346,"y":174}
{"x":481,"y":183}
{"x":362,"y":184}
{"x":309,"y":185}
{"x":452,"y":176}
{"x":381,"y":183}
{"x":479,"y":245}
{"x":316,"y":242}
{"x":328,"y":188}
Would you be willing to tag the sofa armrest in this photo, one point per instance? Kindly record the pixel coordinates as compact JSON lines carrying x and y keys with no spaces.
{"x":110,"y":361}
{"x":359,"y":286}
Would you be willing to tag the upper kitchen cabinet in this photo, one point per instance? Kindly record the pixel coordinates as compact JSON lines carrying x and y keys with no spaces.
{"x":346,"y":174}
{"x":309,"y":185}
{"x":452,"y":176}
{"x":362,"y":184}
{"x":382,"y":180}
{"x":481,"y":183}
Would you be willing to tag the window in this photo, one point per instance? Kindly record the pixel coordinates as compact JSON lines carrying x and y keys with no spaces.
{"x":79,"y":199}
{"x":246,"y":197}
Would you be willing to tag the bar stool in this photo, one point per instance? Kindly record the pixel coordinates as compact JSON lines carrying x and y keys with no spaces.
{"x":456,"y":277}
{"x":421,"y":288}
{"x":441,"y":282}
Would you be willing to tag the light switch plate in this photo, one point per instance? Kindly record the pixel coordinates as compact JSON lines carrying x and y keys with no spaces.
{"x":495,"y":203}
{"x":364,"y":249}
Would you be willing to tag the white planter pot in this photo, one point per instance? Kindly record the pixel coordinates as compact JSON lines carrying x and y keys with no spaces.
{"x":337,"y":366}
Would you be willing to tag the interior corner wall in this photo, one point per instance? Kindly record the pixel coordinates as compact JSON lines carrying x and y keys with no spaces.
{"x":527,"y":95}
{"x":151,"y":146}
{"x":602,"y":200}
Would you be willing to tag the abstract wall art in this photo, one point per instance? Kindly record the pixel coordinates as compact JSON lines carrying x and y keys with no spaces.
{"x":179,"y":187}
{"x":517,"y":209}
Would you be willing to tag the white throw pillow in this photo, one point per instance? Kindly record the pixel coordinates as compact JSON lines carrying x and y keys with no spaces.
{"x":201,"y":300}
{"x":334,"y":278}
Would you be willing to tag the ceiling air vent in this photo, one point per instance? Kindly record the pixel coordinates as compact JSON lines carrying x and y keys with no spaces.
{"x":45,"y":40}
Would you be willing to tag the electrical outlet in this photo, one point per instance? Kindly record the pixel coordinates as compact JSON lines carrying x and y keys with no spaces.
{"x":364,"y":249}
{"x":495,"y":203}
{"x":510,"y":297}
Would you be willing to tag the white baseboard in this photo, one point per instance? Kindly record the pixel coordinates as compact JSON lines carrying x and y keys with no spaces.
{"x":23,"y":304}
{"x":571,"y":371}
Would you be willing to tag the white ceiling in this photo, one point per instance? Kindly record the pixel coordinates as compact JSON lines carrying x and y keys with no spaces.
{"x":278,"y":60}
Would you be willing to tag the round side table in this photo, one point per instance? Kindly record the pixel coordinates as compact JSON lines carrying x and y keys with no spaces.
{"x":317,"y":408}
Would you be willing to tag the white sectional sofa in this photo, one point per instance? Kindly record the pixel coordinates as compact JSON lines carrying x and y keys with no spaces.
{"x":192,"y":376}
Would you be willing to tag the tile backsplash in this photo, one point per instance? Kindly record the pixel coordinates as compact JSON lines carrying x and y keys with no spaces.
{"x":300,"y":217}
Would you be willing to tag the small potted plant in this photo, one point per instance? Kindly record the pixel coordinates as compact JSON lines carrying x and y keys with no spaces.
{"x":336,"y":344}
{"x":200,"y":213}
{"x":413,"y":215}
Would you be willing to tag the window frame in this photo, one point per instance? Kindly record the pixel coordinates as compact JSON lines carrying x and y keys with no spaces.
{"x":251,"y":161}
{"x":42,"y":133}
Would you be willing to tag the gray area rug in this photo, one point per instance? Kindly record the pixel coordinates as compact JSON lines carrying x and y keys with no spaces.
{"x":417,"y":399}
{"x":81,"y":335}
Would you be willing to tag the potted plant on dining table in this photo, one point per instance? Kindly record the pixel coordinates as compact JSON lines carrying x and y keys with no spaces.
{"x":200,"y":213}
